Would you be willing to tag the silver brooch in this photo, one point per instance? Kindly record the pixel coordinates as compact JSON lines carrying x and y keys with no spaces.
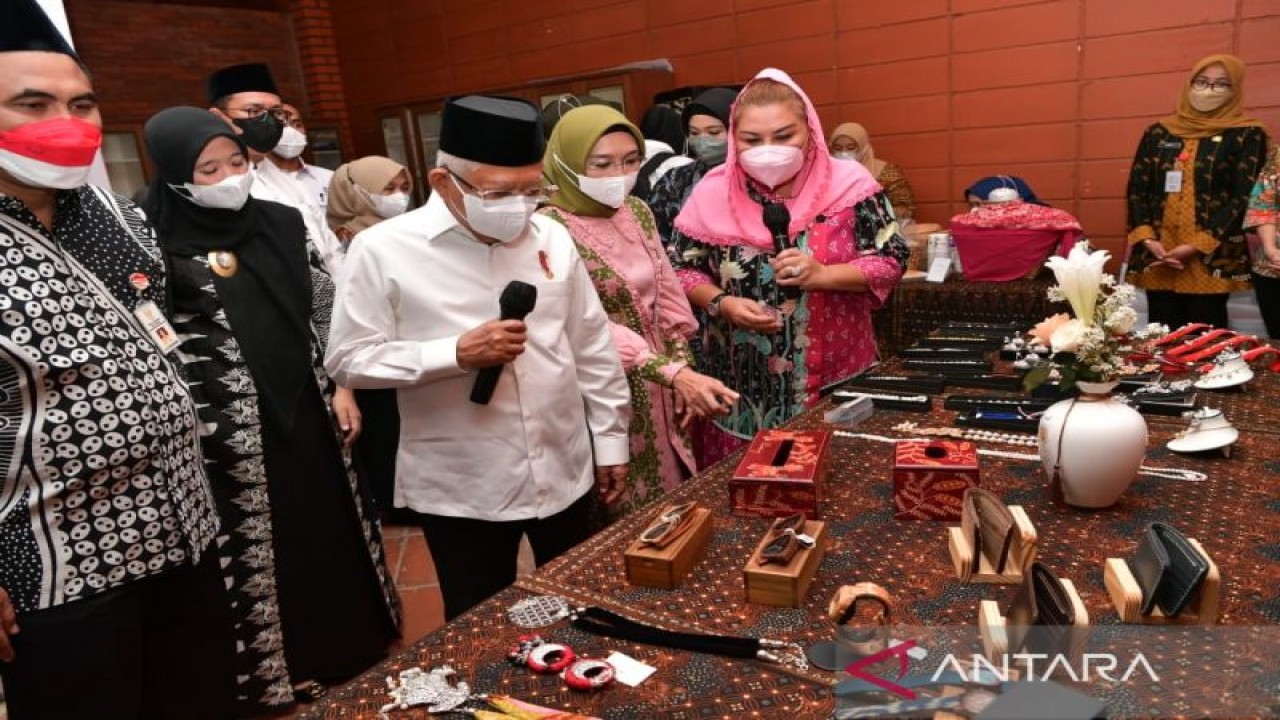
{"x":538,"y":611}
{"x":434,"y":689}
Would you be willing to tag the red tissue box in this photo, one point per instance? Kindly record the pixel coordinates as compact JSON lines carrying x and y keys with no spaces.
{"x":930,"y":477}
{"x":781,"y":474}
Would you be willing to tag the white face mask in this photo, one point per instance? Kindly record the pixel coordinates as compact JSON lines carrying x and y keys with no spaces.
{"x":229,"y":193}
{"x":772,"y":165}
{"x":845,"y":155}
{"x":389,"y":206}
{"x":503,"y":220}
{"x":292,"y":143}
{"x":611,"y":191}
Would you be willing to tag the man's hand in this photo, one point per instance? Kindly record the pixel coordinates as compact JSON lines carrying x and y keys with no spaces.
{"x":347,"y":412}
{"x":496,"y":342}
{"x":611,"y":480}
{"x":8,"y":626}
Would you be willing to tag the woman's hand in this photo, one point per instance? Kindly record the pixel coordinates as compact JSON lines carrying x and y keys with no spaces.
{"x":796,"y":268}
{"x":348,"y":415}
{"x":701,"y":395}
{"x":1176,"y":258}
{"x":1272,"y":255}
{"x":749,"y":315}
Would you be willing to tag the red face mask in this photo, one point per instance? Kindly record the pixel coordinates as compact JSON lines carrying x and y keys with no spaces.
{"x":55,"y":153}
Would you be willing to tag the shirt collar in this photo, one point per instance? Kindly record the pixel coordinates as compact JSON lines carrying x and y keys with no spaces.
{"x":64,"y":201}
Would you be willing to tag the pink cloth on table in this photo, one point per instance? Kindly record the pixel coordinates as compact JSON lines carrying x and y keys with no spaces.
{"x":1000,"y":255}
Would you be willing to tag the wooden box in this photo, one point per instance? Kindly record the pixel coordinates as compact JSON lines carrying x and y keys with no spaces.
{"x":666,"y":567}
{"x":785,"y":585}
{"x":930,"y":477}
{"x":781,"y":474}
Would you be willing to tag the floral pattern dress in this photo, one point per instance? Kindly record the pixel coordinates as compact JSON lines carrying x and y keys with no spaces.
{"x":651,"y":321}
{"x":825,"y":336}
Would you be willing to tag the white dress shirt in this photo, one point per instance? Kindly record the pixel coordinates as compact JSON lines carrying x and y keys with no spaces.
{"x":272,"y":183}
{"x":412,"y":286}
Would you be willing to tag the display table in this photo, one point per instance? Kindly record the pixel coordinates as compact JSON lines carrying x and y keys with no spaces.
{"x":1235,"y":515}
{"x":917,"y":307}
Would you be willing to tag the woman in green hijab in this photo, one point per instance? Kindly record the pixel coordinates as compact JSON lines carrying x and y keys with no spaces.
{"x":593,"y":159}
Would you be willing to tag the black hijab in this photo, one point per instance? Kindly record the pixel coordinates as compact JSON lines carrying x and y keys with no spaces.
{"x":268,"y":299}
{"x":716,"y":102}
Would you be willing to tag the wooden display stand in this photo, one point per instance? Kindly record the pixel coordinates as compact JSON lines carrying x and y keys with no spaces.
{"x":785,"y":585}
{"x":995,"y":637}
{"x":1022,"y":552}
{"x":666,"y":567}
{"x":1126,"y":596}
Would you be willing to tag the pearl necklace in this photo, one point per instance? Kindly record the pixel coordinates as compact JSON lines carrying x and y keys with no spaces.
{"x":1167,"y":473}
{"x":975,"y":434}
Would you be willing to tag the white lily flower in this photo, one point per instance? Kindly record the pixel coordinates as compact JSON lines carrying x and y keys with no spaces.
{"x":1079,"y":276}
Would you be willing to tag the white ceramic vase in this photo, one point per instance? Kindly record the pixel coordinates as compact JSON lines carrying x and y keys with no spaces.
{"x":1095,"y":443}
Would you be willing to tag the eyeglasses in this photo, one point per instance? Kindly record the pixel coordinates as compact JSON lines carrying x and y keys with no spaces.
{"x":1220,"y":86}
{"x":538,"y":193}
{"x":254,"y":112}
{"x":669,"y":525}
{"x":627,"y":165}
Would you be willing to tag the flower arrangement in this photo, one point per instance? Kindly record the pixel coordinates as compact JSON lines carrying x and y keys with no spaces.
{"x":1092,"y":345}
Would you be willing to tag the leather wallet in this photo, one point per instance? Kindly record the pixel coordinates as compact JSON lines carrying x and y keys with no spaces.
{"x":989,"y":525}
{"x":1041,"y":617}
{"x":1168,"y":568}
{"x":669,"y":525}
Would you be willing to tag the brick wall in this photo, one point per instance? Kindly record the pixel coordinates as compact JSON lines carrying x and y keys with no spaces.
{"x":1057,"y":91}
{"x":318,"y":54}
{"x":146,"y":57}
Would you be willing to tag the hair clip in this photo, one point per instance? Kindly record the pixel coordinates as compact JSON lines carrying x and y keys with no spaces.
{"x":786,"y":536}
{"x":670,"y":524}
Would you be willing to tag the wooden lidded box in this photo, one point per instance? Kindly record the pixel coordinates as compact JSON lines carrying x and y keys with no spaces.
{"x":666,"y":567}
{"x":781,"y":474}
{"x":785,"y":585}
{"x":930,"y":477}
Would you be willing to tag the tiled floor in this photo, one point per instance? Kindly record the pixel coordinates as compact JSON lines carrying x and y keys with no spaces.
{"x":415,"y":576}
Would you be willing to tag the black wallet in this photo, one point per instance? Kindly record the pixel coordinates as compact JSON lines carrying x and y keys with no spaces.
{"x":1041,"y":618}
{"x":1168,"y":568}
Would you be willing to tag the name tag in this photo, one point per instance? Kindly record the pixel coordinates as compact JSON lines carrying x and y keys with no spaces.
{"x":157,"y":326}
{"x":1170,"y":145}
{"x":1173,"y":181}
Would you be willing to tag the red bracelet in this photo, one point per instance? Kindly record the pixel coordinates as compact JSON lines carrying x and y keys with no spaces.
{"x":589,"y":674}
{"x":1214,"y":350}
{"x":1180,"y":333}
{"x":1263,"y":351}
{"x":1197,"y":344}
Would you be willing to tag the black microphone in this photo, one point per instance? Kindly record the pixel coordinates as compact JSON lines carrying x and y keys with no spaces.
{"x":517,"y":301}
{"x":777,"y":218}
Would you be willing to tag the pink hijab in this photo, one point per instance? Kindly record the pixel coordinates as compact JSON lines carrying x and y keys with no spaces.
{"x":720,"y":212}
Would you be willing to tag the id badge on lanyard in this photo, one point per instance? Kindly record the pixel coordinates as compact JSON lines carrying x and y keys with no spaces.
{"x":152,"y":319}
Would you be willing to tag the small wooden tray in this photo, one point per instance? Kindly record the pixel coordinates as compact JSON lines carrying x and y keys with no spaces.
{"x":785,"y":585}
{"x":1022,"y":552}
{"x":666,"y":567}
{"x":1126,"y":596}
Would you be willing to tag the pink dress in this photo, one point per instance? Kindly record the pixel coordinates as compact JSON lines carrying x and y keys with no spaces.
{"x":651,"y":322}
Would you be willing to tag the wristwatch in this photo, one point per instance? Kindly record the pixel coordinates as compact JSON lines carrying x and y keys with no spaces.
{"x":713,"y":307}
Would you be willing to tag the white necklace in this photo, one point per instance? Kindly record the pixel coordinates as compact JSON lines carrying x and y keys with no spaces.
{"x":1166,"y":473}
{"x":975,"y":434}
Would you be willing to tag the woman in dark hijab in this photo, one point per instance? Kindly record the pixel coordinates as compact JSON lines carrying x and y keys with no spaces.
{"x":706,"y":128}
{"x":301,"y":549}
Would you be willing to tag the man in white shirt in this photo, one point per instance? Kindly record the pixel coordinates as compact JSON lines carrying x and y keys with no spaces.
{"x":287,"y":157}
{"x":415,"y":311}
{"x":246,"y":97}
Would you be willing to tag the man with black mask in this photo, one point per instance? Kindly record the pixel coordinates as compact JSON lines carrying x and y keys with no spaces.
{"x":247,"y":98}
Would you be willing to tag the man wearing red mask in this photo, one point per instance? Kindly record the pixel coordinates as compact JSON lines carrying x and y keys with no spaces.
{"x":110,"y":605}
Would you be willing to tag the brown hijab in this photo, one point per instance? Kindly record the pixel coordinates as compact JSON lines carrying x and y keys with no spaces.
{"x":347,"y":206}
{"x":1191,"y":123}
{"x":858,"y":134}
